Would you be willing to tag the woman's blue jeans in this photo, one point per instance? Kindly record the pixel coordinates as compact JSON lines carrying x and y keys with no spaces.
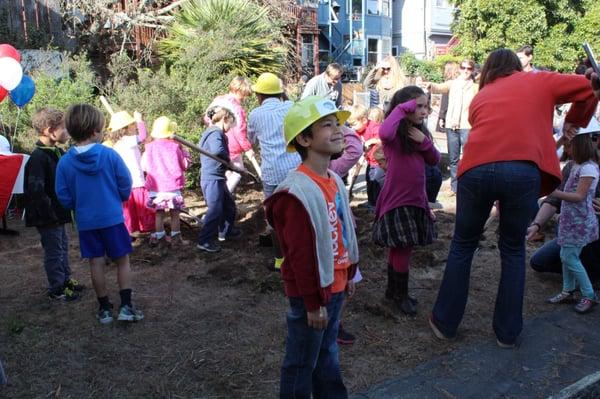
{"x":516,"y":185}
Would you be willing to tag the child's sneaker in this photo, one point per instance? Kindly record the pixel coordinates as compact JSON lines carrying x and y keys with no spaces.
{"x":209,"y":247}
{"x":585,"y":305}
{"x":231,"y":234}
{"x":178,"y":241}
{"x":129,"y":313}
{"x":66,"y":295}
{"x":104,"y":316}
{"x":74,"y":285}
{"x":562,"y":297}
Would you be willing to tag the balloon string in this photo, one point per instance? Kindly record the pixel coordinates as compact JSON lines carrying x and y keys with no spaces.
{"x":3,"y":126}
{"x":14,"y":136}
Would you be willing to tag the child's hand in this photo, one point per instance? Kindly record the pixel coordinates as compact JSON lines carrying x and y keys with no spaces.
{"x":415,"y":134}
{"x":318,"y":318}
{"x":409,"y":106}
{"x":350,"y":288}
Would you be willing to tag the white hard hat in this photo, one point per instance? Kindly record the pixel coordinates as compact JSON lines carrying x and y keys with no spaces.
{"x":592,"y":127}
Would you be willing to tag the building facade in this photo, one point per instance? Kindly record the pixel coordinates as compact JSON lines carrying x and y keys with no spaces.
{"x":421,"y":27}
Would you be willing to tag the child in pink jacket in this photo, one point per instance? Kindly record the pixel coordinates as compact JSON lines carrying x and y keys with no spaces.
{"x":165,"y":162}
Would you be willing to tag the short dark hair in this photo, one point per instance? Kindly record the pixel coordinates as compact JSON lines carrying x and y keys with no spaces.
{"x":301,"y":150}
{"x":526,"y":49}
{"x":583,"y":149}
{"x":334,"y":67}
{"x":501,"y":62}
{"x":83,"y":120}
{"x":47,"y":118}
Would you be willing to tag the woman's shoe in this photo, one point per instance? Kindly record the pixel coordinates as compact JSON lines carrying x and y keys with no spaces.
{"x":563,"y":297}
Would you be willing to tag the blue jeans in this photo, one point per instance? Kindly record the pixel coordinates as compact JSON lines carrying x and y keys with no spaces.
{"x":56,"y":256}
{"x":374,"y":186}
{"x":516,"y":185}
{"x":433,"y":182}
{"x":574,"y":272}
{"x":547,"y":259}
{"x":456,"y":141}
{"x":221,"y":209}
{"x":311,"y":364}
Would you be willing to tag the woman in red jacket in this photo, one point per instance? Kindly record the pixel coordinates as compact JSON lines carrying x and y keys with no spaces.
{"x":510,"y":157}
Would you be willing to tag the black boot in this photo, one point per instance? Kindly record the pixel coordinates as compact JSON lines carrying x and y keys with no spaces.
{"x":390,"y":291}
{"x":403,"y":300}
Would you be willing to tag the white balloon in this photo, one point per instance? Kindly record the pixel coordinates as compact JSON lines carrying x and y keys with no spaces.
{"x":11,"y":73}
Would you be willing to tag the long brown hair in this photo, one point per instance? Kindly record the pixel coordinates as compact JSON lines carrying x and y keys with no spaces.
{"x":401,"y":96}
{"x":500,"y":63}
{"x":583,"y":149}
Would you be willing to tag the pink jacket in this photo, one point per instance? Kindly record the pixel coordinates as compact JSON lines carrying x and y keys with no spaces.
{"x":237,"y":136}
{"x":164,"y":162}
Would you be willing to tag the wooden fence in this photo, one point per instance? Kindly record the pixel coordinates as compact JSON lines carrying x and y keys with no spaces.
{"x":25,"y":20}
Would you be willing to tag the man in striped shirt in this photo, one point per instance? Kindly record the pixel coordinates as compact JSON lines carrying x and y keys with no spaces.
{"x":265,"y":128}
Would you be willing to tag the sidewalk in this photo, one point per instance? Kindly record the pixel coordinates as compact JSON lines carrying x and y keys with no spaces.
{"x":556,"y":350}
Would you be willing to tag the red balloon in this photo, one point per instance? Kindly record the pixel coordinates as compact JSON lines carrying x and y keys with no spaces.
{"x":6,"y":50}
{"x":3,"y":93}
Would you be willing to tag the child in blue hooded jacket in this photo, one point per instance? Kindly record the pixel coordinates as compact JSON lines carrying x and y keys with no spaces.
{"x":94,"y":181}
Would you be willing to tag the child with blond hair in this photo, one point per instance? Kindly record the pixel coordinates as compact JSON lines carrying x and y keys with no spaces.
{"x":165,"y":162}
{"x":124,"y":135}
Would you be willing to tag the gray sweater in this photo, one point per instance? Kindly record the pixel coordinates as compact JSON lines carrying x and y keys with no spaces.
{"x":318,"y":86}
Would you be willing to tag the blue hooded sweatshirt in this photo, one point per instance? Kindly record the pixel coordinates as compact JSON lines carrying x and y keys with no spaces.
{"x":94,"y":184}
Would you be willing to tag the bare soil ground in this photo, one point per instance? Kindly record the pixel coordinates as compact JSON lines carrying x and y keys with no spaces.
{"x":215,"y":323}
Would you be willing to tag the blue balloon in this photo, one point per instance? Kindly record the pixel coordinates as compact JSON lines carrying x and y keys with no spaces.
{"x":23,"y":93}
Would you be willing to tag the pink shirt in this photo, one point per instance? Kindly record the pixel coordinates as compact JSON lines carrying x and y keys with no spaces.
{"x":405,"y":175}
{"x":164,"y":162}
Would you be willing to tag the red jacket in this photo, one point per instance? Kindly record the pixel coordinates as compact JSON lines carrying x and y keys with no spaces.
{"x":294,"y":231}
{"x":511,"y":120}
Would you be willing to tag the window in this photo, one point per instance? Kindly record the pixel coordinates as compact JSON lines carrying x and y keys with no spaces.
{"x":395,"y":51}
{"x":386,"y":46}
{"x":386,"y":11}
{"x":373,"y":7}
{"x":307,"y":51}
{"x":441,"y":3}
{"x":356,"y":6}
{"x":373,"y":53}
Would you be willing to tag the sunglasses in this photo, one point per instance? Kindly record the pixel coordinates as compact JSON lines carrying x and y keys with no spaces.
{"x":462,"y":67}
{"x":385,"y":69}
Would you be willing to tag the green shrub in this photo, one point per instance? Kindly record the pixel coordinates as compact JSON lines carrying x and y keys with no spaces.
{"x":428,"y":70}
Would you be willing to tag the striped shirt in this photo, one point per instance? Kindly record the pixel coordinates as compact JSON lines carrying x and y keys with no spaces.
{"x":265,"y":127}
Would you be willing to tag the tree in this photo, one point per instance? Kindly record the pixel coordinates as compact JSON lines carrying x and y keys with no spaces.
{"x":556,"y":28}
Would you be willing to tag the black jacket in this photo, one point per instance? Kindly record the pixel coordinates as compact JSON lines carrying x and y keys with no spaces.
{"x":42,"y":208}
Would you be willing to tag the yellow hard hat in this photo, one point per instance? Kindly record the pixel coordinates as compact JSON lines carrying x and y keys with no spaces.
{"x":163,"y":128}
{"x":267,"y":83}
{"x":306,"y":112}
{"x":120,"y":120}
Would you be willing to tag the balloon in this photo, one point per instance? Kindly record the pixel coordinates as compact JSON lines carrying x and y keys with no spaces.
{"x":24,"y":92}
{"x":3,"y":94}
{"x":6,"y":50}
{"x":11,"y":73}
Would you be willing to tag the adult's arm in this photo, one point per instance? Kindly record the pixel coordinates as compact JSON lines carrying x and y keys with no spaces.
{"x":372,"y":78}
{"x":295,"y":234}
{"x":352,"y":153}
{"x":440,"y":88}
{"x":310,"y":88}
{"x":546,"y":211}
{"x":387,"y":131}
{"x":572,"y":89}
{"x":551,"y":199}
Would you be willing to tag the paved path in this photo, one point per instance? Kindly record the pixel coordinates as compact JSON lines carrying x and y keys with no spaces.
{"x":556,"y":350}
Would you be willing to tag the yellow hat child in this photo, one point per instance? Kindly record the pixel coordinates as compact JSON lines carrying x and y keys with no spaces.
{"x":163,"y":128}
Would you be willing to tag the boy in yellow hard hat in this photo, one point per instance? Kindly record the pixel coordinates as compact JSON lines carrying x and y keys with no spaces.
{"x":311,"y":216}
{"x":265,"y":128}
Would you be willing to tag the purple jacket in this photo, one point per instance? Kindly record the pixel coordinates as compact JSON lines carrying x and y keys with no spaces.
{"x":164,"y":162}
{"x":352,"y":153}
{"x":405,"y":175}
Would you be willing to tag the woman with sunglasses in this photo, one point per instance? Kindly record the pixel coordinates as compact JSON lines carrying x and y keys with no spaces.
{"x":511,"y":158}
{"x":386,"y":78}
{"x":461,"y":91}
